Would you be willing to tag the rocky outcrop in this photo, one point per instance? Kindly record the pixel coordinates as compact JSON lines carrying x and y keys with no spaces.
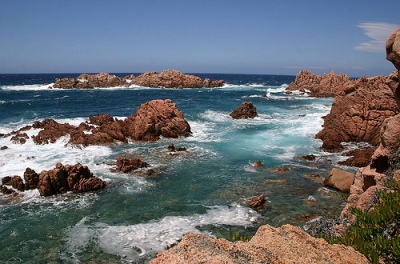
{"x":393,"y":48}
{"x":359,"y":157}
{"x":61,"y":179}
{"x":383,"y":166}
{"x":385,"y":162}
{"x":165,"y":79}
{"x":327,"y":85}
{"x":154,"y":119}
{"x":287,"y":244}
{"x":127,"y":165}
{"x":339,"y":179}
{"x":246,"y":110}
{"x":174,"y":79}
{"x":358,"y":115}
{"x":31,"y":179}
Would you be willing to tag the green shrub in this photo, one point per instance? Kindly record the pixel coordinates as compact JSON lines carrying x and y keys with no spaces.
{"x":376,"y":234}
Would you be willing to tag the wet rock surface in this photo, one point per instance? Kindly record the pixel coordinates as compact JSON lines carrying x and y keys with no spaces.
{"x":244,"y":111}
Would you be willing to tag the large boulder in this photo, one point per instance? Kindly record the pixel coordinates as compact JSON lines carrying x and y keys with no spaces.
{"x":61,"y":179}
{"x":393,"y":48}
{"x":244,"y":111}
{"x":287,"y":244}
{"x":31,"y":179}
{"x":327,"y":85}
{"x":393,"y":55}
{"x":340,"y":180}
{"x":358,"y":115}
{"x":155,"y":119}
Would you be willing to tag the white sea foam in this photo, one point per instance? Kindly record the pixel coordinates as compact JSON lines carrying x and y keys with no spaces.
{"x":204,"y":132}
{"x":134,"y":241}
{"x":30,"y":87}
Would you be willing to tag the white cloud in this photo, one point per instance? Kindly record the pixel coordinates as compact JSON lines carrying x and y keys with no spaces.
{"x":378,"y":32}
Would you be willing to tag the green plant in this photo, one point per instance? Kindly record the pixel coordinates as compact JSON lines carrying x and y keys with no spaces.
{"x":376,"y":234}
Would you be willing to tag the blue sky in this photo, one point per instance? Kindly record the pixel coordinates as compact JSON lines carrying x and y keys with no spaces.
{"x":256,"y":37}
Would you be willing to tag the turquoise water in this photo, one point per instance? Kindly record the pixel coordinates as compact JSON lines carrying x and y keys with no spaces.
{"x":200,"y":190}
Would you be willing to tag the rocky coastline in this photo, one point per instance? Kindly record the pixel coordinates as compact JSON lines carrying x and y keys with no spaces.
{"x":364,"y":110}
{"x":165,"y":79}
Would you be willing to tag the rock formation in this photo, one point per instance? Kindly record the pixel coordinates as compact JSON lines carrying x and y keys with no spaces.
{"x":165,"y":79}
{"x":359,"y":157}
{"x":339,"y":179}
{"x":246,"y":110}
{"x":174,"y":79}
{"x":358,"y":116}
{"x":61,"y":179}
{"x":328,"y":85}
{"x":385,"y":162}
{"x":154,"y":119}
{"x":287,"y":244}
{"x":128,"y":165}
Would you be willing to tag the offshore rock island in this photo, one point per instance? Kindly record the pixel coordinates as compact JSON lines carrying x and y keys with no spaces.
{"x":165,"y":79}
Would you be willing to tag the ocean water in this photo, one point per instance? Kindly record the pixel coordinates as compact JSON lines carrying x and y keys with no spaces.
{"x":201,"y":190}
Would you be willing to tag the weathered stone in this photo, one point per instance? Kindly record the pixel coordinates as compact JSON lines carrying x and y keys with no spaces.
{"x":339,"y":179}
{"x":360,"y":157}
{"x":127,"y":165}
{"x":256,"y":202}
{"x":327,"y":85}
{"x":19,"y":138}
{"x":155,"y":119}
{"x":31,"y":179}
{"x":393,"y":48}
{"x":358,"y":116}
{"x":246,"y":110}
{"x":75,"y":178}
{"x":6,"y":180}
{"x":17,"y":183}
{"x":287,"y":244}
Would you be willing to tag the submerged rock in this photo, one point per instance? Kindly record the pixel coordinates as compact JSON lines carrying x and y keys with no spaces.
{"x":287,"y":244}
{"x":128,"y":165}
{"x":246,"y":110}
{"x":257,"y":203}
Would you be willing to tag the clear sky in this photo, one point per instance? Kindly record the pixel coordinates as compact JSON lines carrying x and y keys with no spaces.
{"x":208,"y":36}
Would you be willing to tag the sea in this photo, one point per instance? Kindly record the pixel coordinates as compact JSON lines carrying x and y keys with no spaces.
{"x":203,"y":189}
